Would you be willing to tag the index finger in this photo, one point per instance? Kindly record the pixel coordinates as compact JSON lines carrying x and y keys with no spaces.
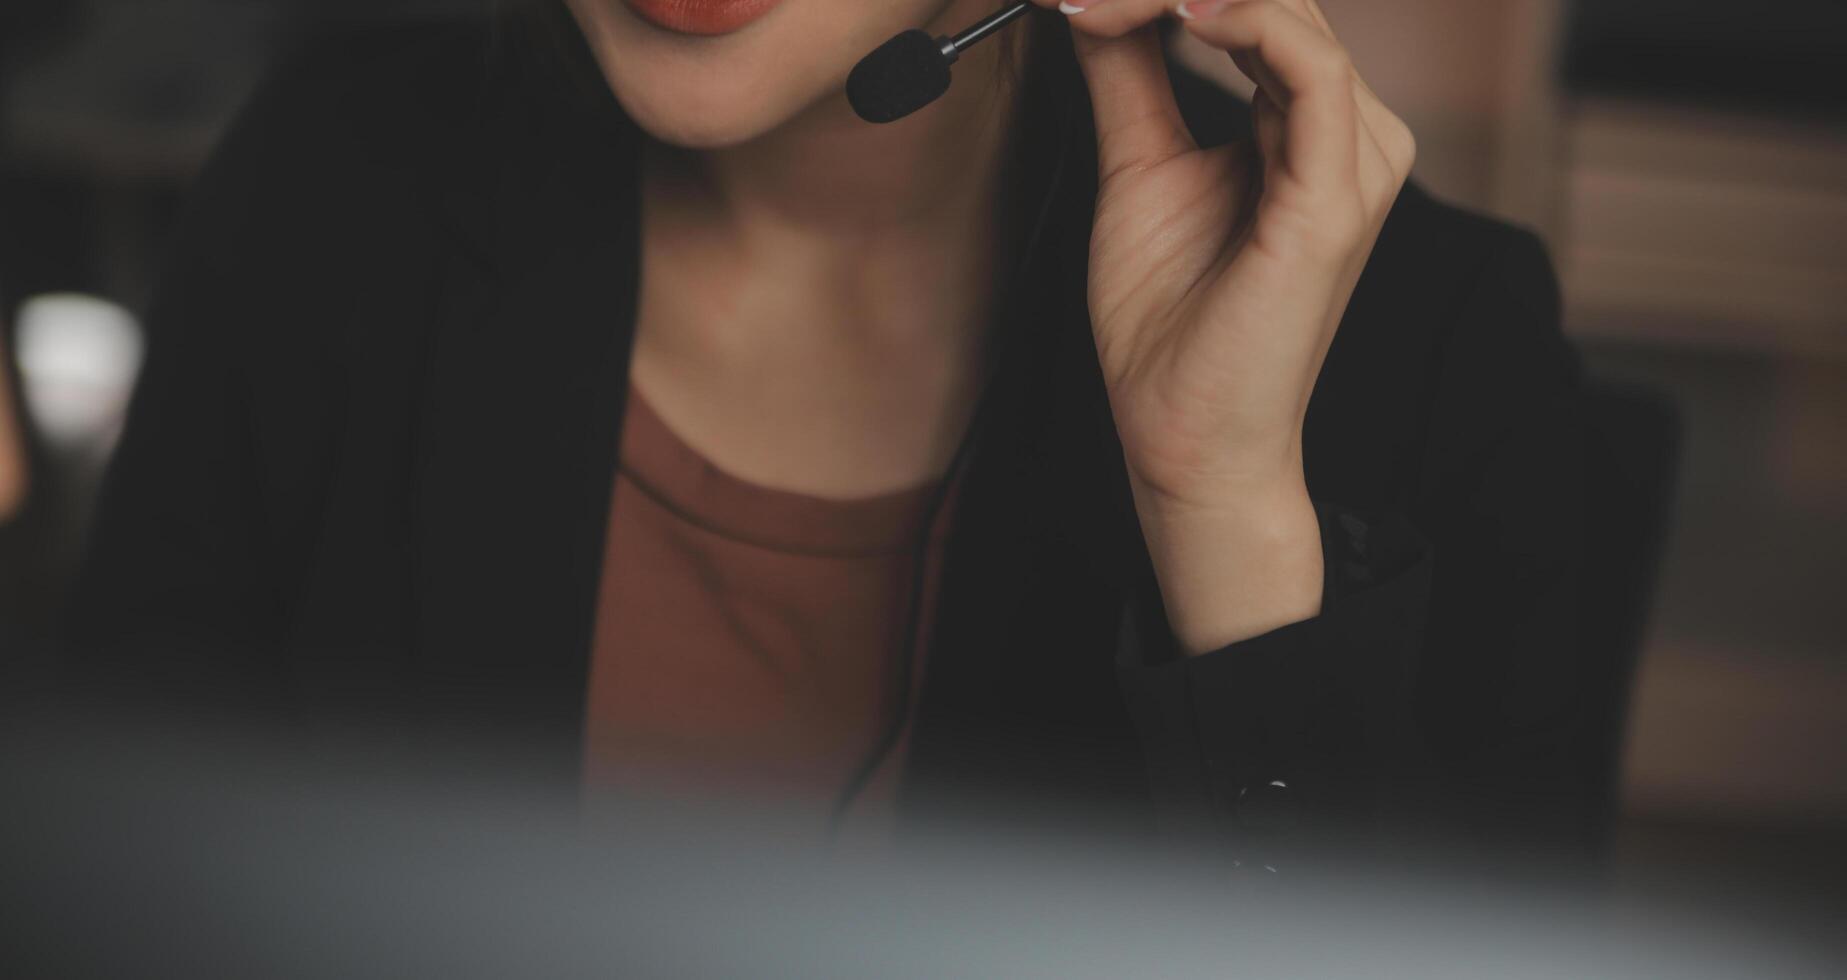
{"x":1312,"y":76}
{"x":1138,"y":120}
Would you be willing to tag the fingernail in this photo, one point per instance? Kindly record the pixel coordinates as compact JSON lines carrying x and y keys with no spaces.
{"x":1195,"y":9}
{"x":1067,"y":8}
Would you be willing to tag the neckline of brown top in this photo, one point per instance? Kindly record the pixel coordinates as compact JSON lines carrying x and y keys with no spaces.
{"x":679,"y":478}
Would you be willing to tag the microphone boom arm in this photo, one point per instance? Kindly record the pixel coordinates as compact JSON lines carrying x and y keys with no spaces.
{"x":954,"y":46}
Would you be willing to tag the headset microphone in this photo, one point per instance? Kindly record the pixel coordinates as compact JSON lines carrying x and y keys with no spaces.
{"x":911,"y":71}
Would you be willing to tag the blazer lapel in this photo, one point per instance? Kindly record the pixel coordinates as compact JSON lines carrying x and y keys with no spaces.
{"x":522,"y":413}
{"x":1020,"y":705}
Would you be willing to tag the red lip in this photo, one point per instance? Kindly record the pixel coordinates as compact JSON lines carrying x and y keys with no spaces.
{"x":701,"y":16}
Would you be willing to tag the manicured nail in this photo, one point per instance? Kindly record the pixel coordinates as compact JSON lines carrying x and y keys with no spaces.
{"x":1073,"y":8}
{"x":1195,"y":9}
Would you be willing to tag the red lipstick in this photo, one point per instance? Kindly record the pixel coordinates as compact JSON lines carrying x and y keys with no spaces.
{"x":701,"y":16}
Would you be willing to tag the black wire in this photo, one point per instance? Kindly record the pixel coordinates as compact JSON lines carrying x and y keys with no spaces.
{"x":907,"y":657}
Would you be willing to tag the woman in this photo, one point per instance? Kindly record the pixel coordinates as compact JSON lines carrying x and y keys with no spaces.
{"x":605,"y":385}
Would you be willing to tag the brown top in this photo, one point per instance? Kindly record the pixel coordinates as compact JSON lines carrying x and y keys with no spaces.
{"x":747,"y":638}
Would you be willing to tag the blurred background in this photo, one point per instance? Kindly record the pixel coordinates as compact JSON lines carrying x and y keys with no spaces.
{"x":1686,"y":162}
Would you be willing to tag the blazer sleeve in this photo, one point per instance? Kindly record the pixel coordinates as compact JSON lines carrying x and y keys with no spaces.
{"x":1433,"y":699}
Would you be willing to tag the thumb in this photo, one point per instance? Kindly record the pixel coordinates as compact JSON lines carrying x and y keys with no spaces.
{"x":1138,"y":122}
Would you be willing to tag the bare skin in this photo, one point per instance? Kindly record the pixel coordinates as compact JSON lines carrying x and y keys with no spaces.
{"x":813,"y":293}
{"x":814,"y":301}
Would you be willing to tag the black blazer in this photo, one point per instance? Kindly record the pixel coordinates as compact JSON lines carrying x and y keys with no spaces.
{"x":368,"y":469}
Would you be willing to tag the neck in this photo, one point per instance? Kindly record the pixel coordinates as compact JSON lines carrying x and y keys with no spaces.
{"x":815,"y":302}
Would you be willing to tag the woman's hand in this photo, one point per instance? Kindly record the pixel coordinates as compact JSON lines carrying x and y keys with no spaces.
{"x":1217,"y":279}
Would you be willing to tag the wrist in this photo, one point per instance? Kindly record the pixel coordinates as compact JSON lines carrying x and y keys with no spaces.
{"x":1234,"y":561}
{"x":1265,"y":472}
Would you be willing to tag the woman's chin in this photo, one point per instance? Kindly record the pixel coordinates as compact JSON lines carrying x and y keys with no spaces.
{"x":679,"y":122}
{"x":702,"y":118}
{"x":711,"y":93}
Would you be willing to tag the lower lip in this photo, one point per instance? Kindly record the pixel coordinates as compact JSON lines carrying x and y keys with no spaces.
{"x":704,"y":17}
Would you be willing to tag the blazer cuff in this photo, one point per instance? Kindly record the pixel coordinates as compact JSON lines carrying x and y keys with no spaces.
{"x":1298,"y":726}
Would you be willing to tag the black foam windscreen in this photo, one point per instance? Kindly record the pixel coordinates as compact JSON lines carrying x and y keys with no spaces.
{"x":898,"y":78}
